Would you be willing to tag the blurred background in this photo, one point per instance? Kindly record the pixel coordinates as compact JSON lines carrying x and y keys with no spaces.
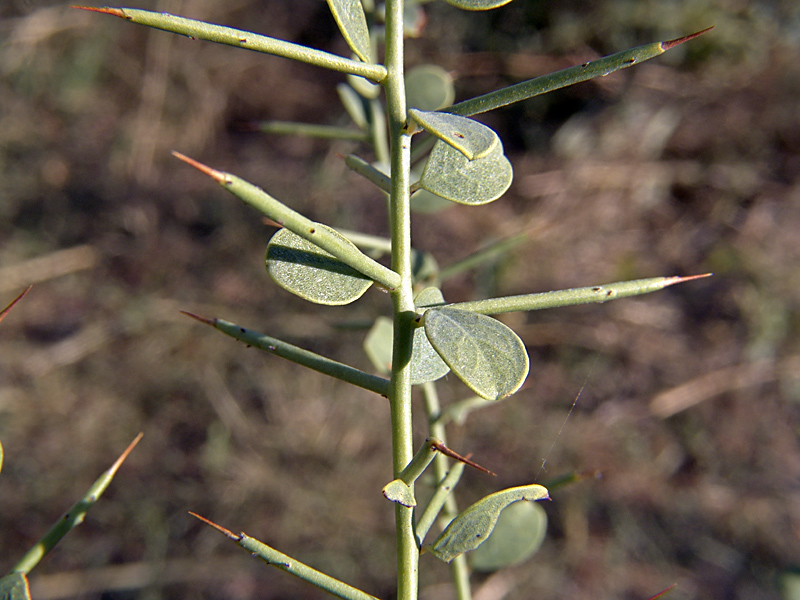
{"x":688,"y":418}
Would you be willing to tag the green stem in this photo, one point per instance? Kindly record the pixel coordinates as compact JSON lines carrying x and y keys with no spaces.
{"x":323,"y":132}
{"x":73,"y":517}
{"x":571,"y":297}
{"x":245,"y":39}
{"x":402,"y":296}
{"x":309,"y":359}
{"x":436,"y":428}
{"x":286,"y":563}
{"x":554,"y":81}
{"x":299,"y":224}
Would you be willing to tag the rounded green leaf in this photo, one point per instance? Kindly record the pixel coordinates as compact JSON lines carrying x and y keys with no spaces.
{"x":478,"y":4}
{"x":353,"y":104}
{"x":352,"y":22}
{"x":472,"y":527}
{"x":312,"y":273}
{"x":429,"y":87}
{"x":398,"y":491}
{"x":485,"y":354}
{"x":426,"y":365}
{"x":14,"y":586}
{"x":451,"y":175}
{"x":472,"y":139}
{"x":518,"y":534}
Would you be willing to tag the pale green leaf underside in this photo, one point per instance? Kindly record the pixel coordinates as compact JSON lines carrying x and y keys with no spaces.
{"x":472,"y":139}
{"x":14,"y":586}
{"x":304,"y":269}
{"x":426,"y":364}
{"x":352,"y":22}
{"x":451,"y":175}
{"x":478,"y":4}
{"x":472,"y":527}
{"x":518,"y":534}
{"x":429,"y":87}
{"x":485,"y":354}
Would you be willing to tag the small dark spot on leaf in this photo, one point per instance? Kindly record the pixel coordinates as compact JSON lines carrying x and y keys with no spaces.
{"x":609,"y":293}
{"x":597,"y":289}
{"x":242,"y":330}
{"x":312,"y":230}
{"x":586,"y":64}
{"x":460,"y":135}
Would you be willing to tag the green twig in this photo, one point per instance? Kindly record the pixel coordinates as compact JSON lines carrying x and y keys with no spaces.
{"x":309,"y":359}
{"x":323,"y":132}
{"x":244,"y":39}
{"x":571,"y":297}
{"x":294,"y":567}
{"x":565,"y":77}
{"x":74,"y":516}
{"x":299,"y":224}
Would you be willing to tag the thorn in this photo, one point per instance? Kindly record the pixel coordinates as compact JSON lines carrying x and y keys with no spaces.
{"x":5,"y":311}
{"x":205,"y":320}
{"x":672,"y":43}
{"x":125,"y":454}
{"x":437,"y":445}
{"x":217,"y":176}
{"x":661,"y":593}
{"x":271,"y":222}
{"x":117,"y":12}
{"x":679,"y":279}
{"x":229,"y":534}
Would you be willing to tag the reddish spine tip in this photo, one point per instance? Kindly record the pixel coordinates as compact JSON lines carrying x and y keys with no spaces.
{"x":679,"y":279}
{"x":117,"y":12}
{"x":205,"y":320}
{"x":5,"y":311}
{"x":217,"y":176}
{"x":672,"y":43}
{"x":227,"y":532}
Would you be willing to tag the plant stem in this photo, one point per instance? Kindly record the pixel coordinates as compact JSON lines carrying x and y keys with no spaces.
{"x":402,"y":296}
{"x":436,"y":428}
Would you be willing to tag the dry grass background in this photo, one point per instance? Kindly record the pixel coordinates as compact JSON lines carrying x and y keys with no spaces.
{"x":686,"y":164}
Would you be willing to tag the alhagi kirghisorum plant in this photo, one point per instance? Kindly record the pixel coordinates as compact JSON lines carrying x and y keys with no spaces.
{"x":453,"y":159}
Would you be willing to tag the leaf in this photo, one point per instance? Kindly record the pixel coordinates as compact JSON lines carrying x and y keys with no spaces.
{"x":485,"y":354}
{"x":310,"y":272}
{"x":478,"y":4}
{"x":451,"y":175}
{"x":472,"y":527}
{"x":518,"y":534}
{"x":429,"y":87}
{"x":1,"y":456}
{"x":426,"y":365}
{"x":352,"y":22}
{"x":398,"y":491}
{"x":472,"y":139}
{"x":14,"y":586}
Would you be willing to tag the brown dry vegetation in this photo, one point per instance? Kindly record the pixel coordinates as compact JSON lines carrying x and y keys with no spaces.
{"x":689,"y":416}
